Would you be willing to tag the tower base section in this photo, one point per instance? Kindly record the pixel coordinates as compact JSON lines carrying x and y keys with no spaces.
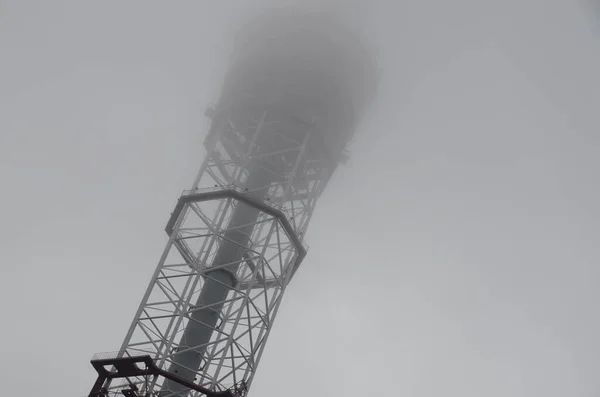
{"x":117,"y":366}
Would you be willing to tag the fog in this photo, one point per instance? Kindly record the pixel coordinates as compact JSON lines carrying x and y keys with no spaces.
{"x":455,"y":254}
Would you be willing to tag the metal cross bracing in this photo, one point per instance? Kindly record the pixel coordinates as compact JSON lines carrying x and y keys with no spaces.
{"x":235,"y":241}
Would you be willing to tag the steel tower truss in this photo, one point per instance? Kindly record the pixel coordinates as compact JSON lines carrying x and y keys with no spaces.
{"x":238,"y":230}
{"x":296,"y":86}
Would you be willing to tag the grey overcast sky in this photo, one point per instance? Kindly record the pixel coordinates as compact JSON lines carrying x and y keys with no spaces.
{"x":455,"y":255}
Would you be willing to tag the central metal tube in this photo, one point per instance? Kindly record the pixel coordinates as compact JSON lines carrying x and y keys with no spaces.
{"x":217,"y":285}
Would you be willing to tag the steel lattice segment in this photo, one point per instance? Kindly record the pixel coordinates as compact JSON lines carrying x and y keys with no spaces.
{"x":284,"y":149}
{"x":248,"y":309}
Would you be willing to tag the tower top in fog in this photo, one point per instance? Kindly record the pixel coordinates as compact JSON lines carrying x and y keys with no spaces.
{"x":312,"y":65}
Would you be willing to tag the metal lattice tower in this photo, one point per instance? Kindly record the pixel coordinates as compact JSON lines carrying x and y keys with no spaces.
{"x":296,"y":86}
